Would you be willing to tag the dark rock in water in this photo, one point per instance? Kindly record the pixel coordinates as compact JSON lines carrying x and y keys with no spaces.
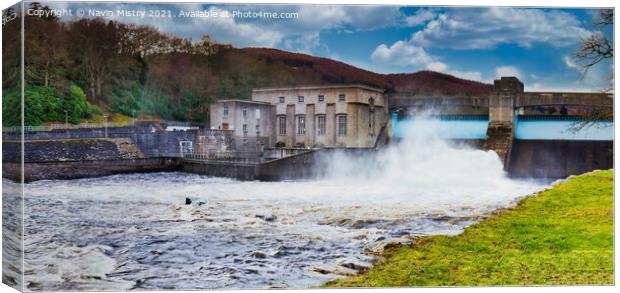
{"x":354,"y":264}
{"x":269,"y":218}
{"x":379,"y":247}
{"x":188,"y":201}
{"x":259,"y":254}
{"x":277,"y":285}
{"x":334,"y":270}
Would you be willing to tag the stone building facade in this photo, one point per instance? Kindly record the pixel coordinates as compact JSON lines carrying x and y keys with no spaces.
{"x":250,"y":122}
{"x":326,"y":116}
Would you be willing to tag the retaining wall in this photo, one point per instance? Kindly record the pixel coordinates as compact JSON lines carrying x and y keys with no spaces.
{"x":80,"y":169}
{"x":151,"y":143}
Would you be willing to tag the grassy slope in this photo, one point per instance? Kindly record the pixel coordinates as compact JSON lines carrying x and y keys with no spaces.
{"x":562,"y":236}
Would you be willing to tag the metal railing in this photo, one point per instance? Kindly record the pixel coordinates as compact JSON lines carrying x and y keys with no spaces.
{"x":62,"y":126}
{"x":245,"y":157}
{"x":231,"y":157}
{"x":536,"y":117}
{"x":69,"y":126}
{"x":278,"y":153}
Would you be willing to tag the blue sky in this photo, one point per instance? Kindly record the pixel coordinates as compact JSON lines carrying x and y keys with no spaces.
{"x":481,"y":44}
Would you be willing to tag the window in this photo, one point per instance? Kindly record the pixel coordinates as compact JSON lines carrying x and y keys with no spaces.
{"x":301,"y":125}
{"x":342,"y":125}
{"x":320,"y":121}
{"x":245,"y":112}
{"x":321,"y":98}
{"x":186,"y":147}
{"x":245,"y":129}
{"x":225,"y":111}
{"x":282,"y":125}
{"x":281,"y":100}
{"x":257,"y":130}
{"x":342,"y":97}
{"x":300,"y":99}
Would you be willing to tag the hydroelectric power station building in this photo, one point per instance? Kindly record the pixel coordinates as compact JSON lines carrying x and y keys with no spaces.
{"x":307,"y":116}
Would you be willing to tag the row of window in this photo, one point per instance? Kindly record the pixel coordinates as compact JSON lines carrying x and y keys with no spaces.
{"x":321,"y":98}
{"x":341,"y":121}
{"x":244,"y":112}
{"x":245,"y":129}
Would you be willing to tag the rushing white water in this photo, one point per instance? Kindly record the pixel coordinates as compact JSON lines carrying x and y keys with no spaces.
{"x":135,"y":231}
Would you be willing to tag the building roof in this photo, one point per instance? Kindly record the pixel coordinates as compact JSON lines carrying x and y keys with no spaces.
{"x":242,"y":101}
{"x":314,"y":87}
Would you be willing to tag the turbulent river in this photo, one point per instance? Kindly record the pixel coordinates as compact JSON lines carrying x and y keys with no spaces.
{"x":135,"y":231}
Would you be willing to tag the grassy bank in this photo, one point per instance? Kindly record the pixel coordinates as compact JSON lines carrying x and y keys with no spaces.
{"x":562,"y":236}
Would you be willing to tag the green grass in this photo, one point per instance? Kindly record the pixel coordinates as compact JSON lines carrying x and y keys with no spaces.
{"x":563,"y":236}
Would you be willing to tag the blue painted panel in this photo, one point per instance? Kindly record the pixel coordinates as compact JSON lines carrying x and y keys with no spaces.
{"x":525,"y":129}
{"x":560,"y":130}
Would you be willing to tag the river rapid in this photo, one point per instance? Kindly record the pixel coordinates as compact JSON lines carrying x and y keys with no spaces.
{"x":137,"y":232}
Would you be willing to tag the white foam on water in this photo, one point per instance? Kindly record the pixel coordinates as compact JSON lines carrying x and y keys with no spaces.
{"x":136,"y":229}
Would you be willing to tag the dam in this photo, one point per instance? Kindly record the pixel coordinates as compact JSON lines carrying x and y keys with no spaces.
{"x":535,"y":134}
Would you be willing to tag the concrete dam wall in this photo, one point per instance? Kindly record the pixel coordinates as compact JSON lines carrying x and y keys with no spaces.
{"x":556,"y":159}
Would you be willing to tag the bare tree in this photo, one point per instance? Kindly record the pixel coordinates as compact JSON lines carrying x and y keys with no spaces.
{"x":592,"y":51}
{"x":596,"y":48}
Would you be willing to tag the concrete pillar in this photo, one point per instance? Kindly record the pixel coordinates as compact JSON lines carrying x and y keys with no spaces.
{"x":273,"y":134}
{"x":330,"y":125}
{"x":501,"y":107}
{"x":502,"y":99}
{"x":290,"y":125}
{"x":201,"y":144}
{"x":310,"y":127}
{"x":500,"y":134}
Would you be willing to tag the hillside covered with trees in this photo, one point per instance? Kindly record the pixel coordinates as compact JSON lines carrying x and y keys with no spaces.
{"x":85,"y":68}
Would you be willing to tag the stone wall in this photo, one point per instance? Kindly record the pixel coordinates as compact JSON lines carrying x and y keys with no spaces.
{"x":80,"y":169}
{"x":71,"y":150}
{"x":150,"y":142}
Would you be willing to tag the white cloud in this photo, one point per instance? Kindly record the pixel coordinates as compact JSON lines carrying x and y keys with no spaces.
{"x":485,"y":28}
{"x":570,"y":63}
{"x":437,"y":66}
{"x":303,"y":44}
{"x":400,"y":54}
{"x":404,"y":54}
{"x":471,"y":75}
{"x":444,"y":68}
{"x":226,"y":29}
{"x":507,"y":71}
{"x":421,"y":16}
{"x":479,"y":28}
{"x":292,"y":34}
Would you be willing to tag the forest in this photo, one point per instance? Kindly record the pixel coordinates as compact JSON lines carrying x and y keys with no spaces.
{"x":82,"y":69}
